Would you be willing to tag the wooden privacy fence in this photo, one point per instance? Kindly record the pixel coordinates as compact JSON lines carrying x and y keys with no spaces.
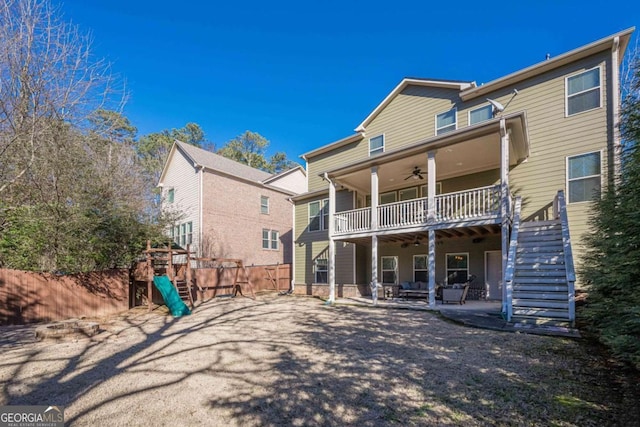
{"x":263,"y":278}
{"x":27,"y":297}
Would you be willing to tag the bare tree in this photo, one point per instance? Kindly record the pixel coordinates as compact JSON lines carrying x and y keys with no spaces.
{"x":47,"y":76}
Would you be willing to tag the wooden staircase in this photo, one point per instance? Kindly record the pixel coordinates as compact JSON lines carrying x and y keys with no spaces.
{"x":540,"y":286}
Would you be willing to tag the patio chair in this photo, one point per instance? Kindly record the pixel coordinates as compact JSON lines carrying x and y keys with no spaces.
{"x":458,"y":292}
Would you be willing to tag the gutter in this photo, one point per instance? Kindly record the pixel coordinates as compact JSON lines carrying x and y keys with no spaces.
{"x":615,"y":109}
{"x":292,"y":284}
{"x":201,"y":201}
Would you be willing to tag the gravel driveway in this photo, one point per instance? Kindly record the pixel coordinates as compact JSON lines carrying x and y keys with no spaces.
{"x":286,"y":360}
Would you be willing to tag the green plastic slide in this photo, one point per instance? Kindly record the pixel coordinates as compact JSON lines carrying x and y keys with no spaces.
{"x":171,"y":298}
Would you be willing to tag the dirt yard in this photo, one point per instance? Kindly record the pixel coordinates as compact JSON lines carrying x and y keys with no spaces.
{"x":284,"y":360}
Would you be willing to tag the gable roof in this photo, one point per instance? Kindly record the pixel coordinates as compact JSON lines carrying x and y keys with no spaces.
{"x":212,"y":161}
{"x":217,"y":162}
{"x":279,"y":175}
{"x":447,"y":84}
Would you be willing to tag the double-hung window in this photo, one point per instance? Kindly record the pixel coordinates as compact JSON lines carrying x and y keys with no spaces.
{"x":171,"y":193}
{"x":389,"y":269}
{"x":376,"y":145}
{"x":457,"y":268}
{"x":264,"y":204}
{"x":270,"y":239}
{"x":446,"y":122}
{"x":583,"y":91}
{"x":480,"y":114}
{"x":182,"y":234}
{"x":584,"y":177}
{"x":190,"y":232}
{"x":319,"y":215}
{"x":321,"y":270}
{"x":420,"y":268}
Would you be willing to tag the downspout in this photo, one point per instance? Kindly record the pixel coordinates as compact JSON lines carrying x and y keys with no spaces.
{"x":292,"y":284}
{"x":615,"y":108}
{"x":200,"y":220}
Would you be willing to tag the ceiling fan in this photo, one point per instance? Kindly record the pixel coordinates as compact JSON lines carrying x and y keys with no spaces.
{"x":415,"y":174}
{"x":416,"y":242}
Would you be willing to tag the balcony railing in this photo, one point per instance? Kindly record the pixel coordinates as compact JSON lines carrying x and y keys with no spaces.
{"x":471,"y":204}
{"x":402,"y":214}
{"x":353,"y":221}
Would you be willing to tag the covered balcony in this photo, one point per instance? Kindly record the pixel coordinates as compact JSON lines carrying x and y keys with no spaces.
{"x":468,"y":206}
{"x":444,"y":184}
{"x":401,"y":191}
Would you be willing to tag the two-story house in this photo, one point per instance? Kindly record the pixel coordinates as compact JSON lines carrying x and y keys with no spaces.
{"x":226,"y":209}
{"x":449,"y":179}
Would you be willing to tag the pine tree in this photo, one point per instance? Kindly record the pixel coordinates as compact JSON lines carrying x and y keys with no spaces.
{"x":612,"y":266}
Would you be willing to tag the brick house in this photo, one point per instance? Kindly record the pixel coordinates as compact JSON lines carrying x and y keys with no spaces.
{"x":227,"y":209}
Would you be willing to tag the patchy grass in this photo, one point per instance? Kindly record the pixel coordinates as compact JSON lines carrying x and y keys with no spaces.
{"x":293,"y":361}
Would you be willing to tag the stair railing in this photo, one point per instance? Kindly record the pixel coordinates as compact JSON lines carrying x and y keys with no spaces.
{"x":511,"y":258}
{"x":568,"y":253}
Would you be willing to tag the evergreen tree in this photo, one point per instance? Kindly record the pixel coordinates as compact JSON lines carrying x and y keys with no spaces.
{"x":250,"y":148}
{"x":612,"y":266}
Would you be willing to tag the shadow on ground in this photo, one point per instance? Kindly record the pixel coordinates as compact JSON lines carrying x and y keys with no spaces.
{"x":293,"y":361}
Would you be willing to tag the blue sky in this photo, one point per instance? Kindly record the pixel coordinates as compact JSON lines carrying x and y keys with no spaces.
{"x":306,"y":73}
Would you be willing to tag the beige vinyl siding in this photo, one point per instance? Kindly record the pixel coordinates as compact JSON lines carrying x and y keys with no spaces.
{"x":553,"y":137}
{"x":475,"y":180}
{"x":410,"y":116}
{"x":307,"y":245}
{"x":185,"y":180}
{"x":344,"y":253}
{"x":344,"y":263}
{"x":342,"y":156}
{"x":310,"y":245}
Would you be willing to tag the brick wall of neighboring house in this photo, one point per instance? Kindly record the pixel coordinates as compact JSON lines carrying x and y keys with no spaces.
{"x":233,"y":222}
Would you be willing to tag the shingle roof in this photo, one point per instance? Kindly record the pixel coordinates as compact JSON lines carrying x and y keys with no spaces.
{"x":216,"y":162}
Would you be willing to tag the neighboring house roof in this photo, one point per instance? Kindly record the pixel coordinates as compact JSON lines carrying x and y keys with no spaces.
{"x":201,"y":158}
{"x":282,"y":174}
{"x":447,"y":84}
{"x":542,"y":67}
{"x":216,"y":162}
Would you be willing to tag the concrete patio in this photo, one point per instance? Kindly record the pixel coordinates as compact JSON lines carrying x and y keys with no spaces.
{"x":474,"y":313}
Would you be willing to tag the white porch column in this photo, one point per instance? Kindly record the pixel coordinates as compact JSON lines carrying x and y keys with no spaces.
{"x":374,"y":238}
{"x":432,"y":268}
{"x":504,"y":205}
{"x":332,"y":243}
{"x":374,"y":198}
{"x":374,"y":269}
{"x":431,"y":186}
